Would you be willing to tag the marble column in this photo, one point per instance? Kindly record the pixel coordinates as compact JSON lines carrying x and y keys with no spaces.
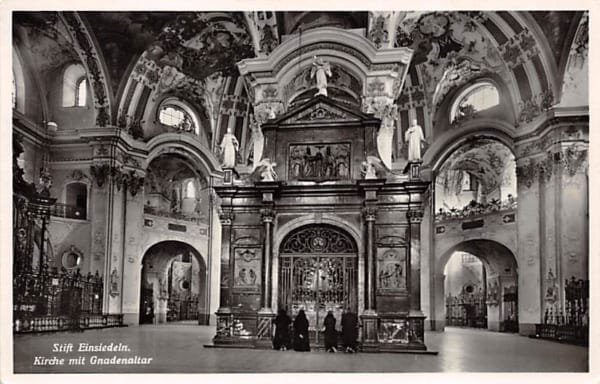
{"x":369,"y":316}
{"x":224,"y":315}
{"x":265,"y":314}
{"x":267,"y":216}
{"x":415,"y":217}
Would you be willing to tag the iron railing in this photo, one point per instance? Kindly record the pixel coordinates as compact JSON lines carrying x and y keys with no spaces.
{"x":475,"y":209}
{"x":466,"y":310}
{"x":196,"y":218}
{"x":572,"y":324}
{"x":56,"y":300}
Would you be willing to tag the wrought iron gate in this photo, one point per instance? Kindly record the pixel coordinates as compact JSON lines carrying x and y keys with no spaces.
{"x":318,"y":273}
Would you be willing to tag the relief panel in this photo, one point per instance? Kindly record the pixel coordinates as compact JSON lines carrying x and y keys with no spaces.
{"x":247,"y":269}
{"x":319,"y":161}
{"x":391,"y":270}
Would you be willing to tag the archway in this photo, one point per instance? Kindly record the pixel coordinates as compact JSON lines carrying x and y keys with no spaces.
{"x":480,"y":286}
{"x":318,"y":272}
{"x":173,"y":284}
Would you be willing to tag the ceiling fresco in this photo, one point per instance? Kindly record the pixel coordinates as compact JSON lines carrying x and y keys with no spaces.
{"x":486,"y":159}
{"x":122,"y":36}
{"x":200,"y":45}
{"x":191,"y":54}
{"x":48,"y":41}
{"x":450,"y":49}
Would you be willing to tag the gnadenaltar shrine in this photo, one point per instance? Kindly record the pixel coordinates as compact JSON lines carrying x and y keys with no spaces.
{"x":324,"y":221}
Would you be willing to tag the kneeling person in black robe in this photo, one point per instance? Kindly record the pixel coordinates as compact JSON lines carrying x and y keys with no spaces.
{"x":282,"y":323}
{"x":301,"y":343}
{"x":349,"y":330}
{"x":330,"y":333}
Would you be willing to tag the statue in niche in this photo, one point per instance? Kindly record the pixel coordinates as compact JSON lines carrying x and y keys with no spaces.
{"x":258,"y":143}
{"x":229,"y":148}
{"x":321,"y":70}
{"x":415,"y":138}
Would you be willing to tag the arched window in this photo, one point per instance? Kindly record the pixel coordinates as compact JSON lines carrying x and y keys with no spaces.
{"x":76,"y":201}
{"x":174,"y":113}
{"x":476,"y":98}
{"x":75,"y":86}
{"x":81,"y":92}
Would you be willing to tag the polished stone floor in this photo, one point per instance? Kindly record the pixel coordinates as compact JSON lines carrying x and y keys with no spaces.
{"x":178,"y":348}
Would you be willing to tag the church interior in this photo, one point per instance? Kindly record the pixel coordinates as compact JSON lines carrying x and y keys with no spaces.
{"x":178,"y":174}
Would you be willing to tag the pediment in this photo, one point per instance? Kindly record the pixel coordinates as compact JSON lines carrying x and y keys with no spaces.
{"x":321,"y":110}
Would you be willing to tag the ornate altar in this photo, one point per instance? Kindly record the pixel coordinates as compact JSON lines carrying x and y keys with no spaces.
{"x":321,"y":238}
{"x":338,"y":230}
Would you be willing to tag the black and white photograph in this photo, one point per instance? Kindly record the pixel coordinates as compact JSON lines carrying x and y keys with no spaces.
{"x":264,"y":191}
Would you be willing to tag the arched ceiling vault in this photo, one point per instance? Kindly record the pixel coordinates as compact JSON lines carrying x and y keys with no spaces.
{"x":524,"y":48}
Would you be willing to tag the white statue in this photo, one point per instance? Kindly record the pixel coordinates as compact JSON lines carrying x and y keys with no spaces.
{"x":415,"y":138}
{"x":229,"y":147}
{"x":321,"y":69}
{"x":267,"y":170}
{"x":369,"y":167}
{"x":385,"y":143}
{"x":258,"y":143}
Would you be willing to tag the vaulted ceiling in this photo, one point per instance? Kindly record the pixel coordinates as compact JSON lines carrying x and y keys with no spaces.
{"x":450,"y":48}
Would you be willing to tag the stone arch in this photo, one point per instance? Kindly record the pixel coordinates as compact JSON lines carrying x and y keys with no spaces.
{"x":281,"y":232}
{"x":451,"y":140}
{"x":160,"y":267}
{"x":187,"y":146}
{"x":501,"y":266}
{"x":492,"y":253}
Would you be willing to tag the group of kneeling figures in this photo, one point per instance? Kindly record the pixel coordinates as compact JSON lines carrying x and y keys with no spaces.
{"x":283,"y":340}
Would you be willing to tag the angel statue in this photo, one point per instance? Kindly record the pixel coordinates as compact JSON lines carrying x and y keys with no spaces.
{"x":267,"y":170}
{"x":385,"y":141}
{"x":258,"y":143}
{"x":370,"y":167}
{"x":229,"y":147}
{"x":321,"y":69}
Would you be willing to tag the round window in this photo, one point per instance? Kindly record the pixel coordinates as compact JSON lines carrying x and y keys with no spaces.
{"x":71,"y":260}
